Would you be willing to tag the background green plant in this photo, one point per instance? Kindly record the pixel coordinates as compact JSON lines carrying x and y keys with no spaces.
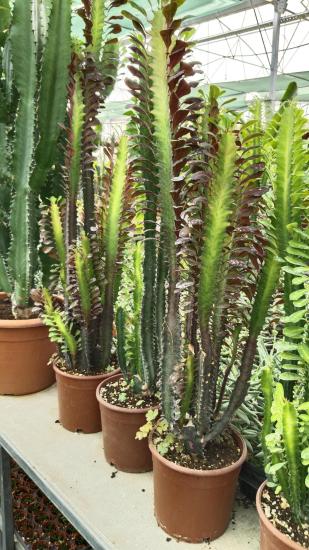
{"x":285,"y":434}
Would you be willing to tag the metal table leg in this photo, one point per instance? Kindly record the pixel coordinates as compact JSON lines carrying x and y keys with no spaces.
{"x":6,"y":501}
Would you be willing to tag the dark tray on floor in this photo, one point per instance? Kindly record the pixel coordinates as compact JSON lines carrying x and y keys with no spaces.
{"x":250,"y":479}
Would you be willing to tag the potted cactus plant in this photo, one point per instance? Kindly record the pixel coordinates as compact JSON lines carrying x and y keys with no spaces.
{"x":33,"y":103}
{"x":82,"y":325}
{"x":127,"y":399}
{"x":86,"y":231}
{"x":138,"y":330}
{"x":282,"y":501}
{"x":217,"y":278}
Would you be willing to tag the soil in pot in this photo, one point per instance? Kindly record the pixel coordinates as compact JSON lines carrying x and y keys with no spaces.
{"x":278,"y":513}
{"x":194,"y":496}
{"x":25,"y":350}
{"x":6,"y":311}
{"x":122,"y":414}
{"x":78,"y":407}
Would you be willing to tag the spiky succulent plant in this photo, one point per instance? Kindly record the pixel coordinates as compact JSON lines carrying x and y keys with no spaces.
{"x":86,"y":231}
{"x":82,"y":325}
{"x":217,"y":266}
{"x":34,"y":59}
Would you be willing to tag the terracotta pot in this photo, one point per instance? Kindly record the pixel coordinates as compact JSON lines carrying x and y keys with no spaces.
{"x":25,"y":350}
{"x":270,"y":537}
{"x":119,"y":427}
{"x":194,"y":505}
{"x":78,"y":407}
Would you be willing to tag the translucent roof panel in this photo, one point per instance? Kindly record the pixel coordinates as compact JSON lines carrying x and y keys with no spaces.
{"x":199,"y":8}
{"x":239,"y":46}
{"x":234,"y":47}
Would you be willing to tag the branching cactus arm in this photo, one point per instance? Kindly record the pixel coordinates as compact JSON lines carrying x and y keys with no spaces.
{"x":21,"y":257}
{"x":292,"y":452}
{"x":267,"y":384}
{"x":121,"y":320}
{"x":53,"y":90}
{"x":73,"y":151}
{"x":217,"y":220}
{"x":137,"y":307}
{"x":112,"y":231}
{"x":163,"y":135}
{"x":59,"y":239}
{"x":59,"y":330}
{"x":143,"y":138}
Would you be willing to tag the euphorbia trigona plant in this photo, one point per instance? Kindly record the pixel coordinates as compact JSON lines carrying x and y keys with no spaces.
{"x":87,"y":234}
{"x":217,"y":265}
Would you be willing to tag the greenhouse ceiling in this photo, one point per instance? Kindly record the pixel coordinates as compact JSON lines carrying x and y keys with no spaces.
{"x":203,"y":10}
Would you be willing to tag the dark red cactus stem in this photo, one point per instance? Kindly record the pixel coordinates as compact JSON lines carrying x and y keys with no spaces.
{"x":226,"y":378}
{"x":92,"y":84}
{"x":71,"y":213}
{"x":205,"y":382}
{"x":240,"y":389}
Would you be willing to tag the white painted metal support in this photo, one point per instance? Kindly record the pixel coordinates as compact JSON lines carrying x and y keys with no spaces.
{"x":279,"y":8}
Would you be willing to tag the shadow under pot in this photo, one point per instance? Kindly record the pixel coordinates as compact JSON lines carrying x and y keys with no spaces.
{"x":25,"y":350}
{"x":119,"y":428}
{"x":78,"y":407}
{"x":194,"y":505}
{"x":270,"y":537}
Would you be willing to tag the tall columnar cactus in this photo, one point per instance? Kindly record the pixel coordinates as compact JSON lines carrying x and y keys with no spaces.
{"x":99,"y":69}
{"x":159,"y":84}
{"x":39,"y":83}
{"x":145,"y":167}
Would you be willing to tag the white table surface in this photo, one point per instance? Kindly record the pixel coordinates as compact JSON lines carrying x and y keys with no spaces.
{"x":116,"y":512}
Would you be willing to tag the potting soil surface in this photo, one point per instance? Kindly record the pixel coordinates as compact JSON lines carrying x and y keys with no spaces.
{"x":120,"y":393}
{"x":278,"y":511}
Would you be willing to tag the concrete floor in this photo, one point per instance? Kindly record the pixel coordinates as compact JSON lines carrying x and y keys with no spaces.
{"x":118,"y":510}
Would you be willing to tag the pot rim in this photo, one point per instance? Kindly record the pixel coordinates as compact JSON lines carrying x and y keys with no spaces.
{"x":202,"y":473}
{"x":18,"y":323}
{"x":268,"y":524}
{"x":116,"y":408}
{"x":83,"y":376}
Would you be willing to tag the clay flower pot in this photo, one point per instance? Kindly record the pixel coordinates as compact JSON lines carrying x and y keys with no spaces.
{"x":25,"y":350}
{"x":194,"y":505}
{"x":270,"y":537}
{"x":119,"y":427}
{"x":78,"y":407}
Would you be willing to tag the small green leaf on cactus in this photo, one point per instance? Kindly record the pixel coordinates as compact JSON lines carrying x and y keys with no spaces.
{"x":165,"y":445}
{"x":152,"y":415}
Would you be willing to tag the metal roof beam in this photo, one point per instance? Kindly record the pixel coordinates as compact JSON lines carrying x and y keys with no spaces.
{"x":242,"y":6}
{"x":252,"y":28}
